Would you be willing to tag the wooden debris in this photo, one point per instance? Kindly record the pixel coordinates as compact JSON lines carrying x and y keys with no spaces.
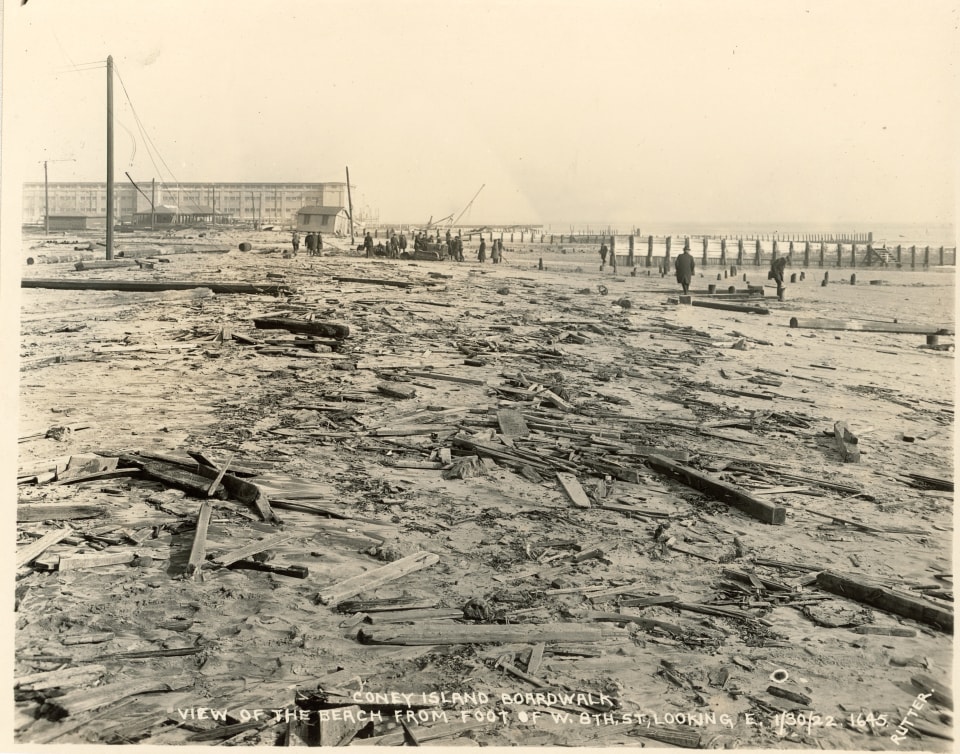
{"x":885,"y":630}
{"x":648,"y":623}
{"x":87,"y":699}
{"x":573,"y":489}
{"x":512,"y":424}
{"x":387,"y":604}
{"x":447,"y":378}
{"x":686,"y":739}
{"x":942,"y":694}
{"x":397,"y":390}
{"x":427,"y":634}
{"x":95,"y":560}
{"x":411,"y":616}
{"x":244,"y":491}
{"x":536,"y":658}
{"x":847,"y":443}
{"x":307,"y":327}
{"x":374,"y":281}
{"x":862,"y":589}
{"x":762,"y":510}
{"x":377,"y":577}
{"x":59,"y":679}
{"x":57,"y":512}
{"x":199,"y":548}
{"x":217,"y":479}
{"x":151,"y":286}
{"x":251,"y":549}
{"x":731,"y":307}
{"x":27,"y":553}
{"x":793,"y":696}
{"x":871,"y":326}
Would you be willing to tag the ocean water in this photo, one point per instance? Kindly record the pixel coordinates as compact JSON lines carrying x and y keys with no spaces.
{"x":891,"y":234}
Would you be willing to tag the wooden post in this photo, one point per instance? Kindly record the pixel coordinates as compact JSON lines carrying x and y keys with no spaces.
{"x":723,"y":252}
{"x":739,"y":251}
{"x":839,"y":255}
{"x":899,"y":255}
{"x":631,"y":262}
{"x":806,"y":254}
{"x":941,"y":256}
{"x":913,"y":257}
{"x":926,"y":257}
{"x":46,"y":201}
{"x":776,"y":250}
{"x":705,"y":242}
{"x":758,"y":254}
{"x":822,"y":252}
{"x":649,"y":251}
{"x":110,"y":157}
{"x":853,"y":255}
{"x":666,"y":259}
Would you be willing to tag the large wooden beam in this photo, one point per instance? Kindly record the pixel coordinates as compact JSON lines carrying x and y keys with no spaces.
{"x":869,"y":326}
{"x":762,"y":510}
{"x":28,"y":552}
{"x":862,"y":589}
{"x":199,"y":549}
{"x":847,"y":443}
{"x":151,"y":286}
{"x":426,"y":634}
{"x":323,"y":329}
{"x":374,"y":281}
{"x":731,"y":307}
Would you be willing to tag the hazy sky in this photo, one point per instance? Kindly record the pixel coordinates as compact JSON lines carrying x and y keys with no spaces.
{"x":628,"y":112}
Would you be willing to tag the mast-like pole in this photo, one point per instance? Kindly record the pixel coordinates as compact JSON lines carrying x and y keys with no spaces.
{"x":350,"y":205}
{"x":110,"y":157}
{"x":46,"y":201}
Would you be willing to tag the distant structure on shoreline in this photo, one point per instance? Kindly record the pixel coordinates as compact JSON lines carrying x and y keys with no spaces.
{"x":260,"y":203}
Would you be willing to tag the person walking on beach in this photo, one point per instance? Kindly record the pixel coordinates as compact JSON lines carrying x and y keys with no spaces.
{"x":495,"y":252}
{"x":311,"y":241}
{"x":685,"y":267}
{"x":458,"y":247}
{"x":295,"y":238}
{"x":603,"y":256}
{"x":403,"y":243}
{"x":482,"y":253}
{"x":368,"y":244}
{"x":777,"y":266}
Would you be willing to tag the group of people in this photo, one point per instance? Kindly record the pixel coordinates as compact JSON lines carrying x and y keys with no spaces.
{"x":685,"y":267}
{"x":314,"y":242}
{"x":496,"y":251}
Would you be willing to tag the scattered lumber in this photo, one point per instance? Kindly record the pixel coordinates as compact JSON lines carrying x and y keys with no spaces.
{"x":762,"y":510}
{"x":447,"y":378}
{"x":87,"y":699}
{"x":152,"y":286}
{"x":374,"y":281}
{"x":529,"y":633}
{"x":386,"y":604}
{"x":295,"y":571}
{"x":308,"y":327}
{"x":397,"y":390}
{"x":251,"y":549}
{"x":573,"y":489}
{"x":97,"y":475}
{"x":870,"y":326}
{"x":942,"y":694}
{"x":173,"y":475}
{"x":847,"y":443}
{"x":929,"y":482}
{"x":242,"y":490}
{"x":28,"y":552}
{"x":512,"y":423}
{"x":792,"y":696}
{"x":199,"y":548}
{"x":95,"y":560}
{"x":648,"y":623}
{"x":57,"y":512}
{"x":377,"y":577}
{"x":411,"y":616}
{"x":686,"y":739}
{"x":731,"y":307}
{"x":103,"y":264}
{"x":869,"y":592}
{"x":424,"y":733}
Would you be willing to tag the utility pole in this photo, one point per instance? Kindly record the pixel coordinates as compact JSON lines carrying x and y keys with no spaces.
{"x":110,"y":157}
{"x":153,"y":203}
{"x":350,"y":204}
{"x":46,"y":195}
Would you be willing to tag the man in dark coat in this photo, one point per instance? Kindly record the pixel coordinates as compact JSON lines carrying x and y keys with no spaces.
{"x":482,"y":252}
{"x":777,"y":266}
{"x":311,"y":241}
{"x":603,"y":255}
{"x":368,"y":244}
{"x":685,"y":268}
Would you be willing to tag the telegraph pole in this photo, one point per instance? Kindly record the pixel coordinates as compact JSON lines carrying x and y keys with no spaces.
{"x":110,"y":157}
{"x":350,"y":204}
{"x":46,"y":195}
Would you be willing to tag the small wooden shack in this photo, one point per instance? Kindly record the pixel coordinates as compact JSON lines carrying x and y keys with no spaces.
{"x":330,"y":220}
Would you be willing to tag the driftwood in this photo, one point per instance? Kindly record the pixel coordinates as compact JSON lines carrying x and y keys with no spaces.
{"x":376,"y":577}
{"x":762,"y":510}
{"x":323,"y":329}
{"x":868,"y":326}
{"x":28,"y":552}
{"x":199,"y":548}
{"x":251,"y":549}
{"x":861,"y":589}
{"x":847,"y":443}
{"x":426,"y":634}
{"x":86,"y":699}
{"x":573,"y":489}
{"x":151,"y":286}
{"x":731,"y":307}
{"x":57,"y":512}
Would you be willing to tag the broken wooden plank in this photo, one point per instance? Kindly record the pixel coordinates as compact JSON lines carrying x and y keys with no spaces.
{"x":413,"y":615}
{"x":731,"y":307}
{"x":28,"y":552}
{"x":216,"y":480}
{"x":536,"y":658}
{"x":57,"y":512}
{"x":386,"y":604}
{"x":870,"y":326}
{"x":151,"y":286}
{"x":446,"y":378}
{"x":396,"y":390}
{"x":942,"y":694}
{"x":308,"y":327}
{"x":573,"y":489}
{"x":847,"y":443}
{"x":762,"y":510}
{"x":87,"y":699}
{"x":95,"y":560}
{"x":244,"y":491}
{"x":374,"y":281}
{"x":412,"y":431}
{"x":512,"y":423}
{"x":103,"y":264}
{"x":98,"y":475}
{"x":427,"y":634}
{"x":192,"y":482}
{"x":377,"y":577}
{"x":59,"y":679}
{"x":648,"y":623}
{"x":199,"y":547}
{"x":665,"y":599}
{"x":864,"y":590}
{"x":251,"y":549}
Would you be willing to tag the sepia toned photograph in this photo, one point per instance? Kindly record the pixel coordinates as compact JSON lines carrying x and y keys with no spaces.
{"x":479,"y":374}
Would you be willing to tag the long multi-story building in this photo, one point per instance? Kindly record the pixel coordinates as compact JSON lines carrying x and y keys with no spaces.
{"x":274,"y":203}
